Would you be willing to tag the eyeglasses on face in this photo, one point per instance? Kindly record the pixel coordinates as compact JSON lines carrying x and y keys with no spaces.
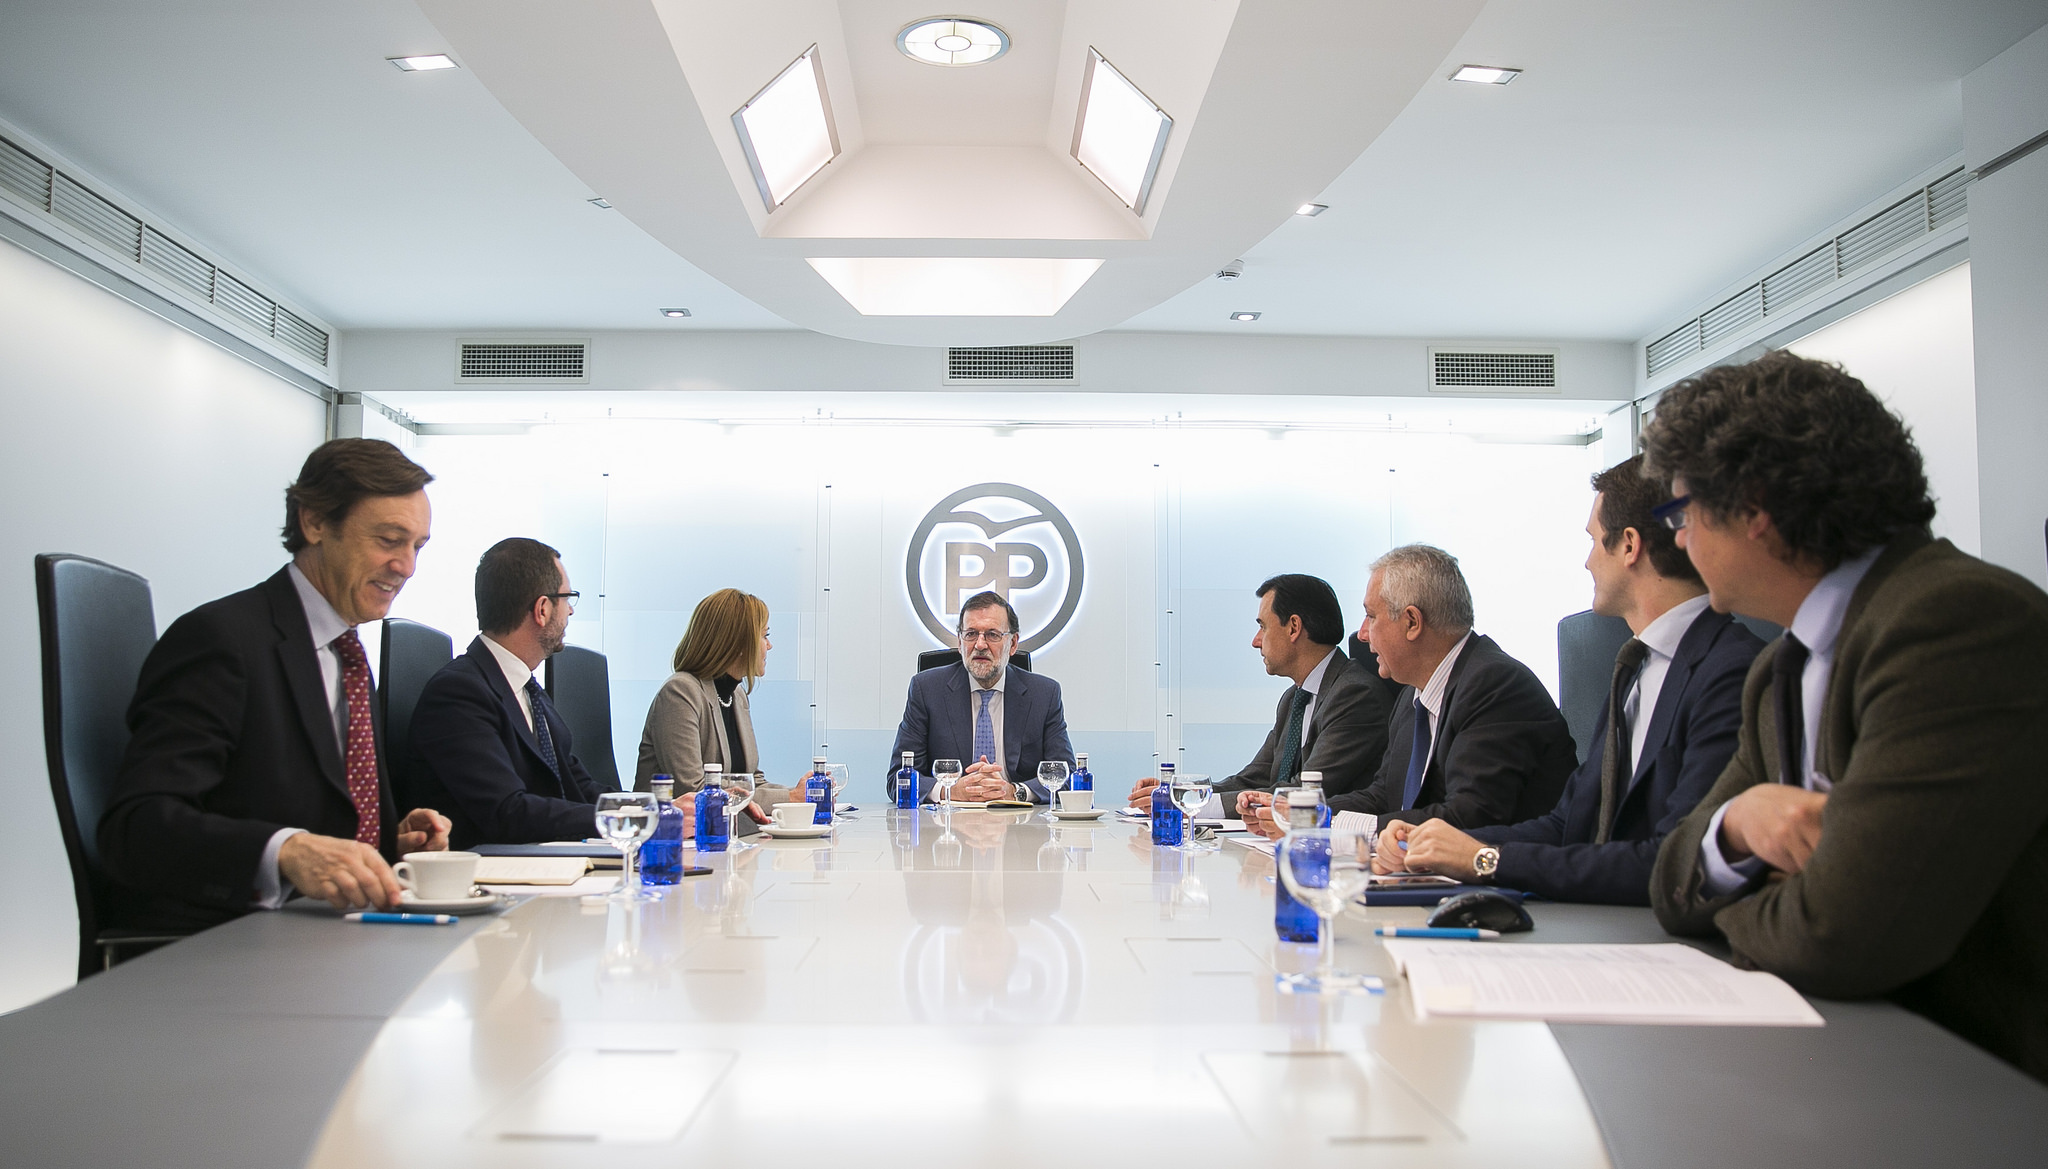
{"x":991,"y":636}
{"x":1671,"y":513}
{"x":569,"y":596}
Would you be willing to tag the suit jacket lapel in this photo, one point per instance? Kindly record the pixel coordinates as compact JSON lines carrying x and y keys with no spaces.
{"x":302,"y":676}
{"x":1016,"y":699}
{"x":714,"y":710}
{"x":486,"y":663}
{"x":1692,"y":648}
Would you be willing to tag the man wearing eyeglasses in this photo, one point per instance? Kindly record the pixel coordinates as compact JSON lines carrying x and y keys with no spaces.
{"x":485,"y":739}
{"x":999,"y":722}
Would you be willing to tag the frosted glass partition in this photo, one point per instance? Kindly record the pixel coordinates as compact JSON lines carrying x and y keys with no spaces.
{"x":1171,"y":526}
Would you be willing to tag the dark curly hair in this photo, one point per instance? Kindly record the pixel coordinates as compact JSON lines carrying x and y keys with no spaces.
{"x":1799,"y":440}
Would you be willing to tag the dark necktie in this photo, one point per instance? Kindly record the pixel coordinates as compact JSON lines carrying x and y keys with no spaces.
{"x":360,"y":754}
{"x":1290,"y":741}
{"x":1789,"y":691}
{"x":985,"y":729}
{"x":1418,"y":756}
{"x":1617,"y":760}
{"x":542,"y":737}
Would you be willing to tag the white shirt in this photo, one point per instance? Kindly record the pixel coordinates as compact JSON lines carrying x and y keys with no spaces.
{"x":516,"y":673}
{"x":1817,"y":625}
{"x":1314,"y":685}
{"x":1662,"y":637}
{"x":1432,"y":693}
{"x":325,"y":625}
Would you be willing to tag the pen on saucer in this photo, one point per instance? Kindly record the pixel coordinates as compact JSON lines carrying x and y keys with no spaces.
{"x":402,"y":918}
{"x":1470,"y":935}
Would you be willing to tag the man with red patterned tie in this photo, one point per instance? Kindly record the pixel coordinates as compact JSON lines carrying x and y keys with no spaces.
{"x":254,"y":769}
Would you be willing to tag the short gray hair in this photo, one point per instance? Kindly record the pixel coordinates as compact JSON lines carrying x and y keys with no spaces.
{"x":1427,"y":578}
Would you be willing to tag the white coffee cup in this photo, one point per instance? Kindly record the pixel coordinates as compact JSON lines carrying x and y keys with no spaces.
{"x":437,"y":876}
{"x":1080,"y":801}
{"x":794,"y":815}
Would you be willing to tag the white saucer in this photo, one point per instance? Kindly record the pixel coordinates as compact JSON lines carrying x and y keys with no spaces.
{"x":1088,"y":814}
{"x":807,"y":832}
{"x":482,"y":902}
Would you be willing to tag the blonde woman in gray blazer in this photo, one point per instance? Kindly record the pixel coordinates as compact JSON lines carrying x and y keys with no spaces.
{"x":700,"y":714}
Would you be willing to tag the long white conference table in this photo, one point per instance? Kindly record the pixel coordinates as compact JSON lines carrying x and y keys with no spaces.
{"x":1001,"y":992}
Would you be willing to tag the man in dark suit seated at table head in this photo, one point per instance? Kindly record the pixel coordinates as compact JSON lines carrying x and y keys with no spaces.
{"x":487,"y":744}
{"x":254,"y":768}
{"x":1333,"y":719}
{"x":1661,"y":741}
{"x":1476,"y":740}
{"x":1000,"y":723}
{"x":1883,"y":826}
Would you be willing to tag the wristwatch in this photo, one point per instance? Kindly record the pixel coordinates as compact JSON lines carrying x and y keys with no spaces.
{"x":1485,"y":861}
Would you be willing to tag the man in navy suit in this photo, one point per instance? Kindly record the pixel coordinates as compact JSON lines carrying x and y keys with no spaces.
{"x":1000,"y":723}
{"x":487,"y":744}
{"x":1667,"y":731}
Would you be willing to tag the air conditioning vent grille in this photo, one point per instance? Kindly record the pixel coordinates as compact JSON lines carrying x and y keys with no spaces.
{"x":1010,"y":363}
{"x":99,"y":218}
{"x":1468,"y":370}
{"x":1897,"y":227}
{"x":522,"y":361}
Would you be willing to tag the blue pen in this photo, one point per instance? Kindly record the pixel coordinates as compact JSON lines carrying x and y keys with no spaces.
{"x":402,"y":918}
{"x":1470,"y":935}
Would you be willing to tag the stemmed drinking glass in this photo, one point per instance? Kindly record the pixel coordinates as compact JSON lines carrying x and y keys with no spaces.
{"x":945,"y":773}
{"x":1325,"y":868}
{"x":837,"y":773}
{"x":1191,"y":793}
{"x":1052,"y":774}
{"x":739,"y":792}
{"x":627,"y":819}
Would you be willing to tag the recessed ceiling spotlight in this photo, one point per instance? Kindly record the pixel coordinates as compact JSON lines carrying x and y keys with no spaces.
{"x":1311,"y":209}
{"x":1485,"y":74}
{"x":1244,"y":316}
{"x":1120,"y":134}
{"x":600,"y":203}
{"x":786,"y":129}
{"x":424,"y":63}
{"x":675,"y":312}
{"x":952,"y":40}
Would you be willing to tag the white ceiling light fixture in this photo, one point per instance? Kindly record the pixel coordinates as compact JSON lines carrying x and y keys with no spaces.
{"x":424,"y":63}
{"x":675,"y":312}
{"x":786,"y":130}
{"x":952,"y":41}
{"x":1485,"y":74}
{"x":954,"y":286}
{"x":1120,"y":134}
{"x":601,"y":203}
{"x":1311,"y":209}
{"x":1244,"y":316}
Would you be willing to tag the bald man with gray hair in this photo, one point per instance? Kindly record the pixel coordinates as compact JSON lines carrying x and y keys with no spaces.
{"x":1474,"y":739}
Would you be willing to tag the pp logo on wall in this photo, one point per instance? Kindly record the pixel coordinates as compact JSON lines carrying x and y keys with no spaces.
{"x":1002,"y":538}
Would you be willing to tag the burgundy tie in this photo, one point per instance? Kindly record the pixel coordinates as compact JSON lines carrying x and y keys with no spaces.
{"x":361,"y":763}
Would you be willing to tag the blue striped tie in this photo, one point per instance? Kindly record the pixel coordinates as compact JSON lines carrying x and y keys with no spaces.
{"x":1418,"y":756}
{"x":985,"y":730}
{"x":542,"y":737}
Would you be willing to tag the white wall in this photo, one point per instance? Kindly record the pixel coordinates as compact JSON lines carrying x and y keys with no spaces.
{"x":131,"y":441}
{"x":1914,"y":350}
{"x":2005,"y":103}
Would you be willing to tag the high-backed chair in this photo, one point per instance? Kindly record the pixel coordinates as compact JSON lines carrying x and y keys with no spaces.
{"x":1762,"y":628}
{"x":580,"y":685}
{"x":932,"y":659}
{"x":1587,"y":645}
{"x":97,"y":627}
{"x":410,"y":654}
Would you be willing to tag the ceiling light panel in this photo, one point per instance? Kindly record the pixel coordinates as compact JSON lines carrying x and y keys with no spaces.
{"x":954,"y":286}
{"x":952,"y":41}
{"x":1244,"y":316}
{"x":424,"y":63}
{"x":786,"y":130}
{"x":1311,"y":209}
{"x":1485,"y":74}
{"x":1120,"y":134}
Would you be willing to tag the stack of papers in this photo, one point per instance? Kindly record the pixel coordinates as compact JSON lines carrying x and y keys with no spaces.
{"x":1662,"y":983}
{"x":531,"y":870}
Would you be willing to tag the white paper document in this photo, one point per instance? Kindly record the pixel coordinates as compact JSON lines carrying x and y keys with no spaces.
{"x":1661,"y":983}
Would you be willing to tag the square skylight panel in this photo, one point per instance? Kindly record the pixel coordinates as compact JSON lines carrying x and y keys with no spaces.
{"x":1120,"y":135}
{"x":954,"y":286}
{"x":786,"y":130}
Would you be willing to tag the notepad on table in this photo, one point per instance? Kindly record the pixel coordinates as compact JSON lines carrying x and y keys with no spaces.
{"x":531,"y":870}
{"x":1657,"y":983}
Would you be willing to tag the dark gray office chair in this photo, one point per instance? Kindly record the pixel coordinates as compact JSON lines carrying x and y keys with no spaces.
{"x":411,"y":653}
{"x":1762,"y":628}
{"x":932,"y":659}
{"x":1587,"y":645}
{"x":580,"y":686}
{"x":97,"y":625}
